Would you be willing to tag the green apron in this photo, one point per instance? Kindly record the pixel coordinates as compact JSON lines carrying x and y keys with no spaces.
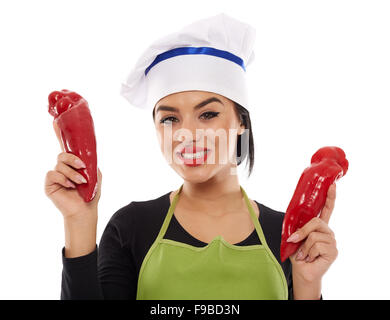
{"x":218,"y":271}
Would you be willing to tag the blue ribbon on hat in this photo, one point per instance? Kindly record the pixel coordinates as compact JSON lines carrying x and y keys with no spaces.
{"x":196,"y":50}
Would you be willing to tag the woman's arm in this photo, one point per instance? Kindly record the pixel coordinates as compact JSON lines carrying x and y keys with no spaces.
{"x":304,"y":290}
{"x":108,"y":272}
{"x":80,"y":234}
{"x":79,"y":277}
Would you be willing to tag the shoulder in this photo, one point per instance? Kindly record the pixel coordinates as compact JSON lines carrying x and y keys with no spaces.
{"x":141,"y":210}
{"x":270,"y":216}
{"x":139,"y":216}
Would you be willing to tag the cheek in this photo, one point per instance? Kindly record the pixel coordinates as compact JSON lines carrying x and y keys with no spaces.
{"x":165,"y":143}
{"x":223,"y":142}
{"x":168,"y":144}
{"x":226,"y":145}
{"x":164,"y":135}
{"x":159,"y":137}
{"x":232,"y":145}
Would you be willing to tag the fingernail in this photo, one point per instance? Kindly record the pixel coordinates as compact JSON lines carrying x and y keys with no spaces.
{"x":293,"y":238}
{"x":81,"y":179}
{"x":70,"y":184}
{"x":299,"y":255}
{"x":307,"y":259}
{"x":79,"y":163}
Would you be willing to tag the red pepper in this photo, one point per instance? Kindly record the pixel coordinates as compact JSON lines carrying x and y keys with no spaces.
{"x":328,"y":165}
{"x":73,"y":117}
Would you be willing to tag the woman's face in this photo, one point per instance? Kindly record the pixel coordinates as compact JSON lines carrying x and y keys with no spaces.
{"x":197,"y":132}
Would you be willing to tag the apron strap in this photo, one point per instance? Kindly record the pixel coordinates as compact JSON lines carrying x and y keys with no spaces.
{"x":172,"y":207}
{"x":169,"y":215}
{"x":258,"y":228}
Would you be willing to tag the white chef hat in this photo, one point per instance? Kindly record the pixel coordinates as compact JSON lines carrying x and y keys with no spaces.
{"x":209,"y":55}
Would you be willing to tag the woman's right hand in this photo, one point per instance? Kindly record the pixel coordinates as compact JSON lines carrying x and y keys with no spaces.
{"x":60,"y":184}
{"x":80,"y":217}
{"x":60,"y":187}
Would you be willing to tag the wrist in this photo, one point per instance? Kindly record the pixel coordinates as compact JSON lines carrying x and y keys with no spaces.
{"x":80,"y":234}
{"x":81,"y":217}
{"x":305,"y":289}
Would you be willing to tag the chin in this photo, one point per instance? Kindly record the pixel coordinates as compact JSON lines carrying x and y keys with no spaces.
{"x":198,"y":174}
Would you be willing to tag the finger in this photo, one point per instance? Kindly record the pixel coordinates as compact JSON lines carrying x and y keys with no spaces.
{"x":99,"y":179}
{"x":99,"y":183}
{"x":70,"y":173}
{"x":55,"y":177}
{"x":71,"y":160}
{"x":327,"y":210}
{"x":100,"y":176}
{"x":311,"y":240}
{"x":315,"y":224}
{"x":322,"y":249}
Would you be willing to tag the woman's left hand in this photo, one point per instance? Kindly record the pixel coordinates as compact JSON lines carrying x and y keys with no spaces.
{"x":318,"y":251}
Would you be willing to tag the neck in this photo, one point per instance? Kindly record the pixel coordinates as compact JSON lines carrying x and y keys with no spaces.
{"x":215,"y":196}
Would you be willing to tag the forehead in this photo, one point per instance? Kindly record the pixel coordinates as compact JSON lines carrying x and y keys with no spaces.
{"x":188,"y":98}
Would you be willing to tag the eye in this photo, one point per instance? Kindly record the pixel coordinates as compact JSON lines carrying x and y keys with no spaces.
{"x":210,"y":114}
{"x":169,"y":119}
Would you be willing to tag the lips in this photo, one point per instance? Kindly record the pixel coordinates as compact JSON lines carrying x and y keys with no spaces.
{"x":193,"y":156}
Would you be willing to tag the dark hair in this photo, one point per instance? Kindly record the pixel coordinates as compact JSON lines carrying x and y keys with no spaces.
{"x":245,"y":147}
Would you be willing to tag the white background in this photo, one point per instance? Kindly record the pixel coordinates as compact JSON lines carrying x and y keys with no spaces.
{"x":321,"y":77}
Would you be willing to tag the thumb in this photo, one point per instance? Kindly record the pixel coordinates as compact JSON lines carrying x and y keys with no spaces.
{"x":327,"y":210}
{"x":99,"y":178}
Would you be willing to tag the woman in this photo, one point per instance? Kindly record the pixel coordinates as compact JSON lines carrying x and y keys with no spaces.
{"x":207,"y":239}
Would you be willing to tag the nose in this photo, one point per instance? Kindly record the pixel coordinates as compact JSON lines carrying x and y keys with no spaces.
{"x":189,"y":132}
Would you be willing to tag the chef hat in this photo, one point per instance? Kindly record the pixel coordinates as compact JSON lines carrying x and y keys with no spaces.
{"x":209,"y":55}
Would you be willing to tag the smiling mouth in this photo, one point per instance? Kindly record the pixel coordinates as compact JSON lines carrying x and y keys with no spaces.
{"x":196,"y":155}
{"x":193,"y":159}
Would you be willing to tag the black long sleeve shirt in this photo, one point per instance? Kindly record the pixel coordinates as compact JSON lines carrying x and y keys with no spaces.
{"x":111,"y":270}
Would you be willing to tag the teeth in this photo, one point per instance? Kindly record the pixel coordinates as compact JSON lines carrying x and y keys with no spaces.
{"x":193,"y":155}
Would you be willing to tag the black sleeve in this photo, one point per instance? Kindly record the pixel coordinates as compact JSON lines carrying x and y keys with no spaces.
{"x":79,"y":277}
{"x":116,"y":268}
{"x":109,"y":271}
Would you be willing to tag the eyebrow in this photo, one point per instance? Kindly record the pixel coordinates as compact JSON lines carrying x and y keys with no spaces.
{"x":198,"y":106}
